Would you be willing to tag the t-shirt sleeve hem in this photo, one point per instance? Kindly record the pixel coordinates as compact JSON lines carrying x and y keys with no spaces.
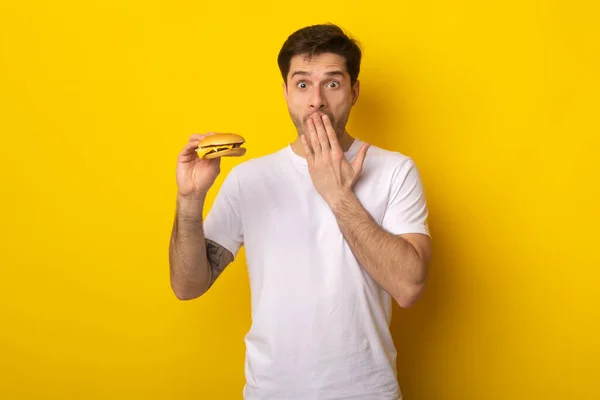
{"x":412,"y":228}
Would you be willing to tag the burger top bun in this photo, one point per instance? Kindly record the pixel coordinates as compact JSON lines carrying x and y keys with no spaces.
{"x":221,"y":138}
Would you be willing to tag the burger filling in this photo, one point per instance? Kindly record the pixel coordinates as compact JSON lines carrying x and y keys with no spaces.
{"x":213,"y":149}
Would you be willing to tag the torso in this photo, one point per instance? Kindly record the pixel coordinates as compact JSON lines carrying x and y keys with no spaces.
{"x":320,"y":323}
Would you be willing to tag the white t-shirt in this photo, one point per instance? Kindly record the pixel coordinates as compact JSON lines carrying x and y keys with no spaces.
{"x":320,"y":324}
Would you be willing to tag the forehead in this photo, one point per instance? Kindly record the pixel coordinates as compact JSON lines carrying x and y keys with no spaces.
{"x":317,"y":64}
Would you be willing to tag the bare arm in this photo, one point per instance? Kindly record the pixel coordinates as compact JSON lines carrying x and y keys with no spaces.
{"x":194,"y":267}
{"x":397,"y":262}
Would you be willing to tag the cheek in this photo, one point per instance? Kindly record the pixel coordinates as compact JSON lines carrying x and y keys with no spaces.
{"x":340,"y":107}
{"x":295,"y":101}
{"x":292,"y":104}
{"x":339,"y":99}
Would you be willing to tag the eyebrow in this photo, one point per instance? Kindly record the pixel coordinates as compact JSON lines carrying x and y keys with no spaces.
{"x":328,"y":73}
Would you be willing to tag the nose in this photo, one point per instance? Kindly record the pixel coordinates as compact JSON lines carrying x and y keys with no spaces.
{"x":317,"y":101}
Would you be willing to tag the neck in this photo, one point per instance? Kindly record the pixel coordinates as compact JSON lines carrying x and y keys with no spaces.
{"x":345,"y":142}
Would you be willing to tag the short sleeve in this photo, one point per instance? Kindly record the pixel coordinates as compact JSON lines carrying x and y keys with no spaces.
{"x":223,"y":223}
{"x":406,"y":210}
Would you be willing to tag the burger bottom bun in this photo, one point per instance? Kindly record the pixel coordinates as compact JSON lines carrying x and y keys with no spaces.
{"x":240,"y":151}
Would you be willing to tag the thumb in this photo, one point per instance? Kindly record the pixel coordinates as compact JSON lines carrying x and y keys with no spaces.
{"x":360,"y":158}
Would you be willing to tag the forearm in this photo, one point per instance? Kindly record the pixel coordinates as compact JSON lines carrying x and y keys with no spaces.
{"x":390,"y":260}
{"x":190,"y":273}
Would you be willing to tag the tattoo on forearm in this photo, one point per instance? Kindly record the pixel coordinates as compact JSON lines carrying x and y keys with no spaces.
{"x":218,"y":258}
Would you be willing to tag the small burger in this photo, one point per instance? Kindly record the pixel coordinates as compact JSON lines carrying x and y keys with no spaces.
{"x":221,"y":145}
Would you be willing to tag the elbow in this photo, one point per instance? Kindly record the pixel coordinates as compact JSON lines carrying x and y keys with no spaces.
{"x":183,"y":296}
{"x":186,"y":293}
{"x":409,"y":295}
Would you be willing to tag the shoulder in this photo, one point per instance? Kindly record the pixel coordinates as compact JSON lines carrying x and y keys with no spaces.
{"x":382,"y":159}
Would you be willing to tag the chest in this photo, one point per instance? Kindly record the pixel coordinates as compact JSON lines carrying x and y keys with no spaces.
{"x":284,"y":208}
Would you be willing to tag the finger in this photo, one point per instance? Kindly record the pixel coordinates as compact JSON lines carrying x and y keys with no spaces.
{"x":307,"y":152}
{"x":190,"y":147}
{"x":331,"y":134}
{"x":188,"y":152}
{"x":321,"y":133}
{"x":358,"y":162}
{"x":312,"y":137}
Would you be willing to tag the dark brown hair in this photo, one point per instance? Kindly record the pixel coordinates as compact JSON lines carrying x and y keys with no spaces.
{"x":318,"y":39}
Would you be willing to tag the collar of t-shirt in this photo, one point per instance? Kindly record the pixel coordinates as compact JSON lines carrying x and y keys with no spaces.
{"x":354,"y":147}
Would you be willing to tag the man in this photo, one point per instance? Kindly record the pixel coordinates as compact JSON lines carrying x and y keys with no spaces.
{"x":334,"y":230}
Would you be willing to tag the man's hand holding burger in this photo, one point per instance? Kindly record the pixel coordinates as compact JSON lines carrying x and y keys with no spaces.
{"x":195,"y":175}
{"x":198,"y":163}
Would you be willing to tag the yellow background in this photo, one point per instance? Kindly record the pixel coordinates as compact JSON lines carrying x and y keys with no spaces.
{"x":497,"y":103}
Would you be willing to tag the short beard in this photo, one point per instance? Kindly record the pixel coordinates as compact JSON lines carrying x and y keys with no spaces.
{"x":339,"y":125}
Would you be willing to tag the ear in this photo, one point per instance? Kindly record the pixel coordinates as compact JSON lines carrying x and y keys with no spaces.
{"x":283,"y":85}
{"x":355,"y":92}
